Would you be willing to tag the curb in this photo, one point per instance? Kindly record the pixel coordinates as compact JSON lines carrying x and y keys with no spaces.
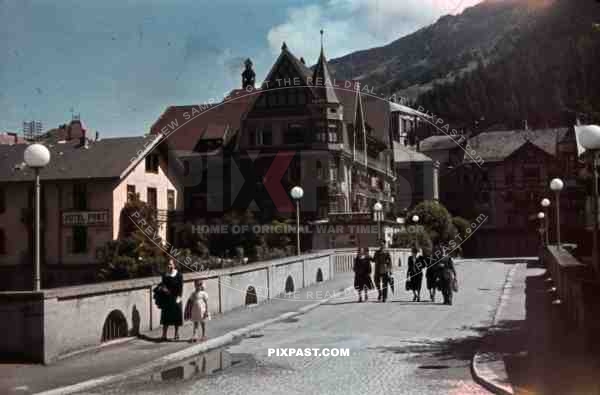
{"x":188,"y":352}
{"x":482,"y":373}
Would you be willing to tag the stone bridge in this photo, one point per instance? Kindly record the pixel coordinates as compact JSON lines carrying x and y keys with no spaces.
{"x":43,"y":326}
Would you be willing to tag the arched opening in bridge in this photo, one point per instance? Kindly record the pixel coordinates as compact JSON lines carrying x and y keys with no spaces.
{"x":115,"y":326}
{"x":289,"y":284}
{"x":251,"y":296}
{"x":319,"y":276}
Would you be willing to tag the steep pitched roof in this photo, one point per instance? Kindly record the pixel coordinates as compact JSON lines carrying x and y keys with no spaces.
{"x":106,"y":158}
{"x":322,"y":80}
{"x":406,"y":155}
{"x":443,"y":142}
{"x":497,"y":146}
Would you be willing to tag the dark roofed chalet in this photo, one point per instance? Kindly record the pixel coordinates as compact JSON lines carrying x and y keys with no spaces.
{"x":497,"y":146}
{"x":102,"y":159}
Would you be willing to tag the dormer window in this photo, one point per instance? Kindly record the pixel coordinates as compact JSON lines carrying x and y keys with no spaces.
{"x":152,"y":164}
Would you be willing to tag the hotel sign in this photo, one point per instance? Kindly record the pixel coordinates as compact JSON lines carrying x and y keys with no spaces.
{"x":85,"y":218}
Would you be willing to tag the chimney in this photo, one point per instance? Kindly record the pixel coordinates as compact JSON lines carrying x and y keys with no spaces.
{"x":16,"y":137}
{"x":302,"y":60}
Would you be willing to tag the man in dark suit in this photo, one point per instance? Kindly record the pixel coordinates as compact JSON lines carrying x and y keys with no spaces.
{"x":383,"y":270}
{"x":447,"y":275}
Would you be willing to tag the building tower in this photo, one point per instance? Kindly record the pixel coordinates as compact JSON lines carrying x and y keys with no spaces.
{"x":248,"y":76}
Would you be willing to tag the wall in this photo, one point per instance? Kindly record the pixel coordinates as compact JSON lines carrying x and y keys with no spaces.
{"x":143,"y":180}
{"x":43,"y":326}
{"x":577,"y":289}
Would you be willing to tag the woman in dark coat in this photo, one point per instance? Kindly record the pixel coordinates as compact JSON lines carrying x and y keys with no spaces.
{"x":362,"y":273}
{"x":431,"y":274}
{"x":414,"y":275}
{"x":171,"y":312}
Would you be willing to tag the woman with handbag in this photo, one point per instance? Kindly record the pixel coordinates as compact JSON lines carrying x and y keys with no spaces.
{"x":414,"y":275}
{"x":362,"y":273}
{"x":172,"y":288}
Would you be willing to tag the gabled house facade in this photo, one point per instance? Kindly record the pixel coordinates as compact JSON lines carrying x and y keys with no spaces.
{"x":84,"y":188}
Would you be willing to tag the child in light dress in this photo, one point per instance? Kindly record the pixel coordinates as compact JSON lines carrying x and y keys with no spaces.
{"x":199,"y":309}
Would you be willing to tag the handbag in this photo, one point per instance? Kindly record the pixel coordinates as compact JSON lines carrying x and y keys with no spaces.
{"x":407,"y":285}
{"x":455,"y":285}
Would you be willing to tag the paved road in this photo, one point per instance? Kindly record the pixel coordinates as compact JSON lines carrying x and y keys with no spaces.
{"x":397,"y":347}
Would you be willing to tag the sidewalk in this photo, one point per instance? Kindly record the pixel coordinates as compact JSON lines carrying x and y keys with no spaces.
{"x":529,"y":349}
{"x":118,"y":358}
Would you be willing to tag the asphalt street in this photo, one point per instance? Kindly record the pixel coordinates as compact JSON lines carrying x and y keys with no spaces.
{"x":398,"y":347}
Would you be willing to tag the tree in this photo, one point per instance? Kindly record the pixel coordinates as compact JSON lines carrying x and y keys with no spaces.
{"x":134,"y":254}
{"x":435,"y":218}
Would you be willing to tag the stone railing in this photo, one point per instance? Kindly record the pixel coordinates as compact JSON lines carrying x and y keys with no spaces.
{"x":42,"y":326}
{"x":343,"y":259}
{"x":578,"y":290}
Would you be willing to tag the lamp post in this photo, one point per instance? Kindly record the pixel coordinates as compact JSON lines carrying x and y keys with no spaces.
{"x":541,"y":216}
{"x":557,"y":185}
{"x":589,"y":138}
{"x":545,"y":204}
{"x":297,"y":193}
{"x":415,"y":219}
{"x":377,"y":209}
{"x":36,"y":156}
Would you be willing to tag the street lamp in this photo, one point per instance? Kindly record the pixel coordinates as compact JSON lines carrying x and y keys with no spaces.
{"x":415,"y":219}
{"x":541,"y":216}
{"x":545,"y":204}
{"x":557,"y":185}
{"x":297,"y":193}
{"x":36,"y":156}
{"x":589,"y":138}
{"x":377,"y":208}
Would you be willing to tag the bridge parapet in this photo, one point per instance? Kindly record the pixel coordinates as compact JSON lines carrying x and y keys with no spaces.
{"x":578,"y":290}
{"x":43,"y":326}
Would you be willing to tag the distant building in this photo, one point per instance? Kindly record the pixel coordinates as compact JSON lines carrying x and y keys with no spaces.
{"x":84,"y":188}
{"x":10,"y":138}
{"x":334,"y":138}
{"x":504,"y":176}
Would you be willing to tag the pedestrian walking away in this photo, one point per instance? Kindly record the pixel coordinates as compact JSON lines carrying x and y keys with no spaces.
{"x":199,"y":310}
{"x":383,"y":271}
{"x":448,"y":279}
{"x":362,"y":273}
{"x":431,"y":273}
{"x":414,"y":274}
{"x":171,"y":289}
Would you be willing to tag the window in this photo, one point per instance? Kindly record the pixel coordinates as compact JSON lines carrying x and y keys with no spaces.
{"x":294,"y":134}
{"x":2,"y":201}
{"x":79,"y":240}
{"x":151,"y":198}
{"x":170,"y":199}
{"x":531,"y":173}
{"x":130,"y":192}
{"x":152,"y":163}
{"x":333,"y":172}
{"x":79,"y":196}
{"x":263,"y":137}
{"x":2,"y":242}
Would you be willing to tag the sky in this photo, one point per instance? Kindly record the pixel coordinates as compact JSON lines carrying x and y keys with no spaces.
{"x":120,"y":63}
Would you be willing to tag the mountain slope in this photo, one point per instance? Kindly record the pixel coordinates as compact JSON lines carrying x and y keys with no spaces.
{"x":550,"y":77}
{"x":441,"y":51}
